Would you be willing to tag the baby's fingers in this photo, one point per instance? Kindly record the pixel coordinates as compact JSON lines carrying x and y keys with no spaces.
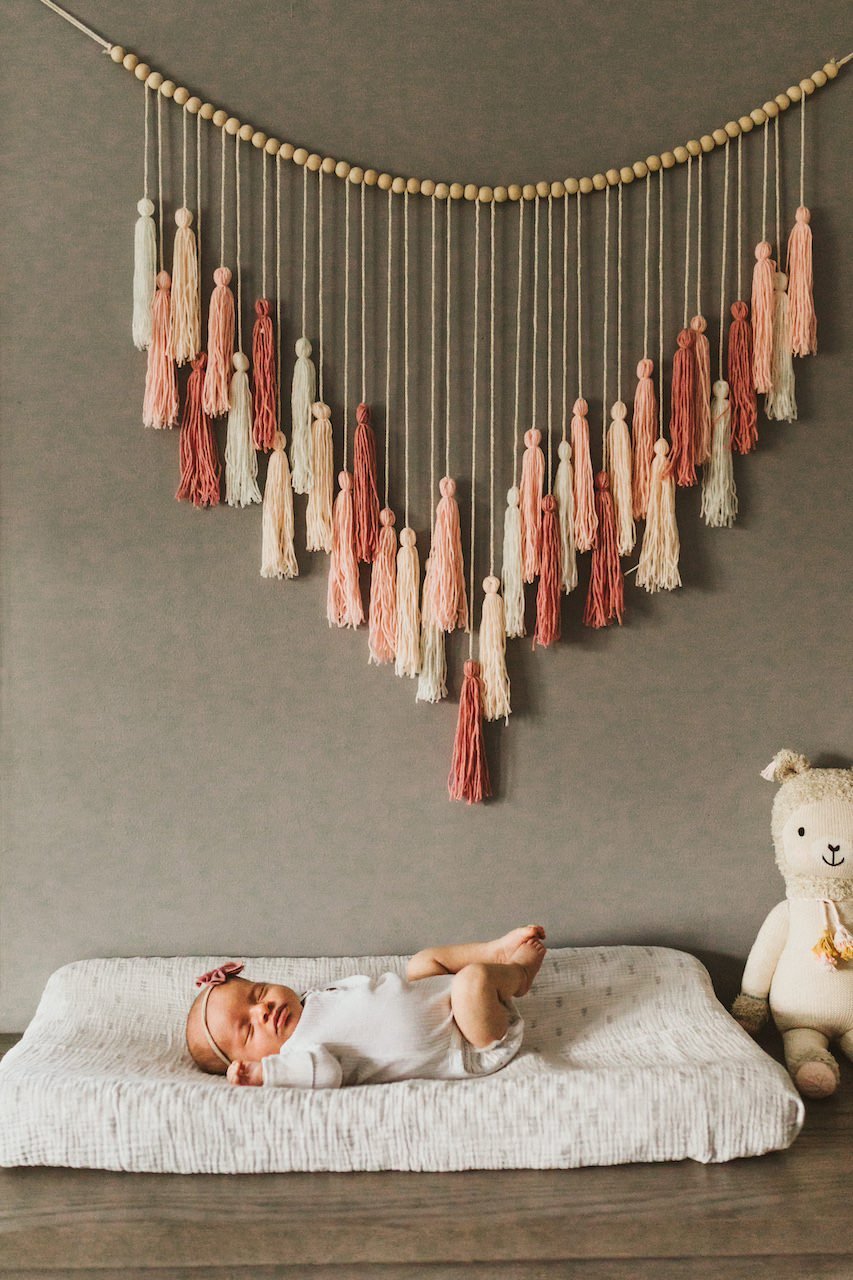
{"x":236,"y":1073}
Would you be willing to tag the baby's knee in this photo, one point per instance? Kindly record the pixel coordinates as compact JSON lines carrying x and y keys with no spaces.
{"x":471,"y":980}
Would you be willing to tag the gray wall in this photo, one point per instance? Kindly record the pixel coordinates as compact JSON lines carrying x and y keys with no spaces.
{"x":193,"y":761}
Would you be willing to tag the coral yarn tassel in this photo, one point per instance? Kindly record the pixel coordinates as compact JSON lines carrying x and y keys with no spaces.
{"x":702,"y":354}
{"x":781,"y":401}
{"x":186,"y":318}
{"x":682,"y":422}
{"x":719,"y":496}
{"x":550,"y":576}
{"x":343,"y":600}
{"x":318,"y":513}
{"x":658,"y":566}
{"x":741,"y":389}
{"x":800,"y":286}
{"x":605,"y":601}
{"x":366,"y":496}
{"x":220,"y":345}
{"x":586,"y":522}
{"x":160,"y":405}
{"x":619,"y":460}
{"x":496,"y":689}
{"x":264,"y":380}
{"x":762,"y":316}
{"x":469,"y":769}
{"x":200,"y":469}
{"x":383,"y":593}
{"x":532,"y":478}
{"x":513,"y":582}
{"x":450,"y":599}
{"x":278,"y":558}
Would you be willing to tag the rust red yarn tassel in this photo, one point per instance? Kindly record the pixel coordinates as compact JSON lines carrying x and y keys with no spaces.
{"x":550,"y":575}
{"x":265,"y":417}
{"x":682,"y":422}
{"x":605,"y":601}
{"x":365,"y":493}
{"x":200,"y":466}
{"x":744,"y":407}
{"x":469,"y":769}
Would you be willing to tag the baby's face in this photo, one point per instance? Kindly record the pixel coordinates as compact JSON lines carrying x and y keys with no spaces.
{"x":251,"y":1020}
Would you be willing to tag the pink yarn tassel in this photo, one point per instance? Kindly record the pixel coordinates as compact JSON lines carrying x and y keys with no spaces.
{"x":532,"y":478}
{"x":469,"y":769}
{"x":800,"y":286}
{"x":343,"y":601}
{"x":702,"y":354}
{"x":450,"y":599}
{"x":550,"y":576}
{"x":682,"y":421}
{"x":644,"y":429}
{"x":200,"y":467}
{"x":744,"y":408}
{"x":220,"y":345}
{"x":383,"y":593}
{"x":265,"y":422}
{"x":366,"y":497}
{"x":762,"y":316}
{"x":605,"y":601}
{"x":586,"y":521}
{"x":160,"y":405}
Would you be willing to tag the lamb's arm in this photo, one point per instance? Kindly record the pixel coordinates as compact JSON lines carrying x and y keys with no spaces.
{"x":311,"y":1067}
{"x":751,"y":1007}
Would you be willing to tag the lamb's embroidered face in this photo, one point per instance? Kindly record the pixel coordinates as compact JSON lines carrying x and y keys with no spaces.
{"x":818,"y":839}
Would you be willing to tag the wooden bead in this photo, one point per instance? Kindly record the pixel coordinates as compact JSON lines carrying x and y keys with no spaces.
{"x":286,"y":151}
{"x":733,"y":128}
{"x":130,"y":62}
{"x":470,"y":191}
{"x":542,"y":189}
{"x":830,"y":70}
{"x":599,"y":181}
{"x":706,"y":142}
{"x":585,"y":186}
{"x":694,"y":146}
{"x":514,"y":191}
{"x":720,"y":137}
{"x":667,"y":159}
{"x":626,"y":174}
{"x":259,"y":139}
{"x":653,"y":163}
{"x":245,"y":133}
{"x":485,"y":195}
{"x":428,"y":187}
{"x":641,"y":169}
{"x":398,"y":186}
{"x":413,"y":186}
{"x":758,"y":116}
{"x":794,"y":92}
{"x":167,"y":88}
{"x":500,"y":195}
{"x":783,"y":101}
{"x":557,"y":190}
{"x":456,"y":190}
{"x":342,"y":169}
{"x":117,"y":53}
{"x":181,"y":95}
{"x":529,"y":191}
{"x":612,"y":177}
{"x":442,"y":190}
{"x":273,"y":147}
{"x":142,"y":71}
{"x":572,"y":186}
{"x":808,"y":85}
{"x":746,"y":124}
{"x":771,"y":109}
{"x":370,"y":176}
{"x":154,"y":80}
{"x":193,"y":106}
{"x":328,"y":165}
{"x":300,"y":155}
{"x":356,"y":175}
{"x":232,"y":126}
{"x":384,"y":181}
{"x":819,"y":78}
{"x":312,"y":164}
{"x":219,"y":118}
{"x":681,"y":154}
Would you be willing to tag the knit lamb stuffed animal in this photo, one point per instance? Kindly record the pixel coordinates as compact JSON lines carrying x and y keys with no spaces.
{"x":803,"y":955}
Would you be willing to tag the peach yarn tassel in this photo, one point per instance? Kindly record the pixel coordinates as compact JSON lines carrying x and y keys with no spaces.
{"x":343,"y":599}
{"x":643,"y":431}
{"x":200,"y":469}
{"x":702,"y":384}
{"x":407,"y":641}
{"x":383,"y":593}
{"x":530,"y":492}
{"x":220,"y":345}
{"x":366,"y":496}
{"x":586,"y":522}
{"x":469,"y":769}
{"x":547,"y":629}
{"x":719,"y":496}
{"x":565,"y":499}
{"x":605,"y":601}
{"x":658,"y":565}
{"x":278,"y":558}
{"x":318,"y":512}
{"x":762,"y":316}
{"x":800,"y":286}
{"x":432,"y":660}
{"x":781,"y":402}
{"x":619,"y":463}
{"x":450,"y":599}
{"x":186,"y":318}
{"x":682,"y":421}
{"x":160,"y":404}
{"x":264,"y":380}
{"x":741,"y":390}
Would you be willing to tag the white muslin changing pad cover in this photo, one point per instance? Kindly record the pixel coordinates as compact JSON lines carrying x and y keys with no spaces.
{"x":627,"y":1056}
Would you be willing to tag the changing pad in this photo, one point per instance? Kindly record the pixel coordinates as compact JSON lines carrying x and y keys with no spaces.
{"x":627,"y":1056}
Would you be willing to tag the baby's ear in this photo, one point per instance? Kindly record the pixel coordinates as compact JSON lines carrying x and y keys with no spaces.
{"x":784,"y":765}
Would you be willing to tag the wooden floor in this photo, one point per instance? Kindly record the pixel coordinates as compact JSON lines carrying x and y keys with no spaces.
{"x":788,"y":1215}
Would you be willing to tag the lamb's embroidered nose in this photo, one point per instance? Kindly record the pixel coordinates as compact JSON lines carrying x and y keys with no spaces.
{"x":833,"y":848}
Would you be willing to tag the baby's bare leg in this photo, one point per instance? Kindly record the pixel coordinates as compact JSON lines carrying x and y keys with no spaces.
{"x":478,"y":996}
{"x":450,"y":959}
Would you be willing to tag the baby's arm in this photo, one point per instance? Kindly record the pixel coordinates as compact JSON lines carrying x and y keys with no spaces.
{"x":312,"y":1067}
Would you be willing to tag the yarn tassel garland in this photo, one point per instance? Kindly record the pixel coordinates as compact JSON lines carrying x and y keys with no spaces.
{"x":619,"y":463}
{"x":496,"y":688}
{"x":605,"y":601}
{"x":407,"y":642}
{"x":800,"y":286}
{"x":550,"y":576}
{"x":565,"y":500}
{"x":682,"y":422}
{"x":220,"y":345}
{"x":343,"y":598}
{"x":366,"y":495}
{"x":302,"y":394}
{"x":513,"y":582}
{"x":658,"y":564}
{"x":241,"y":461}
{"x":643,"y":432}
{"x":702,"y":390}
{"x":278,"y":557}
{"x":432,"y":659}
{"x":781,"y":402}
{"x":318,"y":513}
{"x":744,"y":411}
{"x":450,"y":599}
{"x":264,"y":380}
{"x":382,"y":635}
{"x":762,"y":316}
{"x":200,"y":469}
{"x":186,"y":315}
{"x":532,"y":478}
{"x":586,"y":521}
{"x":719,"y":495}
{"x":160,"y":403}
{"x":144,"y":273}
{"x":469,"y":769}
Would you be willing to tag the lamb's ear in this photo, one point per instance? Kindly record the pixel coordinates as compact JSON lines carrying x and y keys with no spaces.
{"x":784,"y":765}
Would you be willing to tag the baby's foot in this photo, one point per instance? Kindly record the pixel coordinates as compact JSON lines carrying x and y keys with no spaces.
{"x":505,"y":947}
{"x":529,"y":957}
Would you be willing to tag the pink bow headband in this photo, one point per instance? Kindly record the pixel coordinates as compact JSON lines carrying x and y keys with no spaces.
{"x":215,"y":978}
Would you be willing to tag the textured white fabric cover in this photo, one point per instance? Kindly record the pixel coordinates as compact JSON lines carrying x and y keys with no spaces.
{"x":627,"y":1056}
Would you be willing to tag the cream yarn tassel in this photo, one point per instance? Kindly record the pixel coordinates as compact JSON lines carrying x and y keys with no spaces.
{"x":241,"y":461}
{"x":408,"y":612}
{"x":619,"y":464}
{"x":496,"y":705}
{"x":565,"y":499}
{"x":302,"y":395}
{"x":512,"y":580}
{"x":719,"y":496}
{"x":278,"y":558}
{"x":186,"y":313}
{"x":144,"y":272}
{"x":318,"y":514}
{"x":780,"y":403}
{"x":658,"y":567}
{"x":432,"y":676}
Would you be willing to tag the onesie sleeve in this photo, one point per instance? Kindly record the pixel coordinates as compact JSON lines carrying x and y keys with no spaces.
{"x":310,"y":1067}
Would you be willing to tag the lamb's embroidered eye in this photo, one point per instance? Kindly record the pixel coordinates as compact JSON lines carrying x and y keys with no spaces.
{"x":801,"y":831}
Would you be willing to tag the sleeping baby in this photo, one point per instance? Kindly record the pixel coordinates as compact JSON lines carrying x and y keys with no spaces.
{"x":453,"y":1016}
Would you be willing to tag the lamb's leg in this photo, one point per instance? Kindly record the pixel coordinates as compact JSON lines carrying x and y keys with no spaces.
{"x":813,"y":1069}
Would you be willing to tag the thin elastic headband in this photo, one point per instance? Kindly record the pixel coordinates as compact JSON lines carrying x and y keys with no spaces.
{"x":215,"y":978}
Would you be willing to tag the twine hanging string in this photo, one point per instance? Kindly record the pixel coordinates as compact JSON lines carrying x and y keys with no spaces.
{"x":764,"y":185}
{"x":363,"y":303}
{"x":474,"y":417}
{"x":431,"y":368}
{"x":660,"y":302}
{"x":184,"y":154}
{"x":699,"y":237}
{"x":723,"y":257}
{"x":565,"y":313}
{"x":515,"y":432}
{"x":320,"y":293}
{"x":492,"y":396}
{"x":739,"y":207}
{"x":160,"y":173}
{"x":803,"y":146}
{"x":778,"y":214}
{"x":388,"y":343}
{"x":304,"y":247}
{"x":580,"y":318}
{"x":277,"y":287}
{"x":198,"y":200}
{"x":264,"y":227}
{"x":346,"y":318}
{"x":222,"y":199}
{"x":646,"y":271}
{"x":535,"y":307}
{"x":239,"y":264}
{"x":687,"y":240}
{"x":145,"y":146}
{"x":549,"y":414}
{"x":406,"y":354}
{"x":619,"y":297}
{"x":606,"y":326}
{"x":447,"y":260}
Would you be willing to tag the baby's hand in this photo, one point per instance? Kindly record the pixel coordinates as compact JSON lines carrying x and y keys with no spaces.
{"x":245,"y":1072}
